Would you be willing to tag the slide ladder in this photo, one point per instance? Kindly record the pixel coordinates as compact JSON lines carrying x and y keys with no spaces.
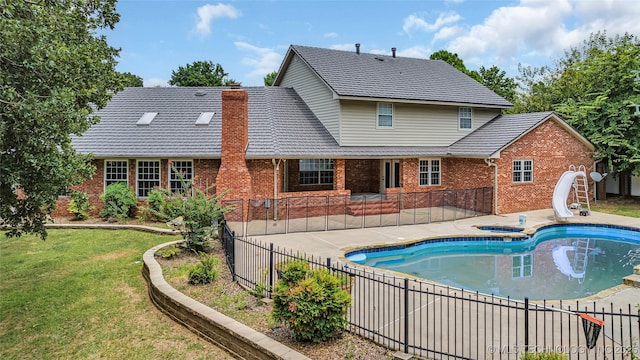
{"x":581,"y":188}
{"x":581,"y":255}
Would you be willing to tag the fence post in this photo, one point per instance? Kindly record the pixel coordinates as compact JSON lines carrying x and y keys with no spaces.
{"x":271,"y":268}
{"x":406,"y":315}
{"x":328,"y":263}
{"x":526,"y":324}
{"x":233,"y":255}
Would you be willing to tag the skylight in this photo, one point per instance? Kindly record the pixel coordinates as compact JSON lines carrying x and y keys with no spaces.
{"x":146,"y":118}
{"x":204,"y":118}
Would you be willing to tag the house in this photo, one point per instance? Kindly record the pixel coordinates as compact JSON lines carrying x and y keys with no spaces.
{"x":335,"y":123}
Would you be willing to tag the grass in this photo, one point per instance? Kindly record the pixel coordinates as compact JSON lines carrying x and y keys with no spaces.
{"x":618,"y":206}
{"x":80,"y":294}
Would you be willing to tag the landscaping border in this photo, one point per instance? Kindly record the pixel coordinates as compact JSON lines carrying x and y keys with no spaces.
{"x":238,"y":339}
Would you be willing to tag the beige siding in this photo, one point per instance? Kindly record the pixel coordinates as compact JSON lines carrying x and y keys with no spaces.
{"x":315,"y":93}
{"x":413,"y":124}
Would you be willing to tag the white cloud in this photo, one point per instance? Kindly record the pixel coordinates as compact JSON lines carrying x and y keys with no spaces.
{"x":209,"y":12}
{"x":331,"y":35}
{"x":448,"y":32}
{"x":414,"y":22}
{"x":418,"y":51}
{"x":345,"y":47}
{"x":541,"y":28}
{"x":262,"y":60}
{"x":155,"y":82}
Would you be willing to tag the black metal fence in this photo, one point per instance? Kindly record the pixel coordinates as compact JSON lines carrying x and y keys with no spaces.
{"x":435,"y":321}
{"x":322,"y":213}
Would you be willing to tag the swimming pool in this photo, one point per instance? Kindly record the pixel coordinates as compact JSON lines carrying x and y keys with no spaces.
{"x":561,"y":261}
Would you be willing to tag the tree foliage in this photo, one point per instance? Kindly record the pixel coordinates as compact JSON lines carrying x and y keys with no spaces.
{"x":455,"y":61}
{"x":497,"y":80}
{"x":270,"y":78}
{"x":131,"y":80}
{"x":54,"y":71}
{"x":593,"y":87}
{"x":200,"y":73}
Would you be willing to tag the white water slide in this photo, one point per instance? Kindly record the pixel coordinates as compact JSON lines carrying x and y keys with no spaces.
{"x":561,"y":193}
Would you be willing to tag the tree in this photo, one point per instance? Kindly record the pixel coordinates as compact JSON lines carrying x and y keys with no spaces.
{"x":597,"y":91}
{"x":496,"y":80}
{"x":453,"y":60}
{"x":200,"y":73}
{"x":54,"y":70}
{"x":270,"y":78}
{"x":131,"y":80}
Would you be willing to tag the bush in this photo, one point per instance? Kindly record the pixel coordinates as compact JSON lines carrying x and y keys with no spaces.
{"x":291,"y":272}
{"x":169,"y":252}
{"x":544,"y":356}
{"x":119,"y":202}
{"x":79,"y":205}
{"x":205,"y":272}
{"x":315,"y":307}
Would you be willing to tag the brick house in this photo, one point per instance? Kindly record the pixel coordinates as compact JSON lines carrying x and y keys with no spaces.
{"x":335,"y":123}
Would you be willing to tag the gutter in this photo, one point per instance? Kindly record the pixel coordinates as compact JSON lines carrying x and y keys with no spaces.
{"x":490,"y":162}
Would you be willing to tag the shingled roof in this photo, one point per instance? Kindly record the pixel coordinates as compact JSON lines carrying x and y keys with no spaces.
{"x":502,"y":131}
{"x":349,"y":74}
{"x":280,"y":125}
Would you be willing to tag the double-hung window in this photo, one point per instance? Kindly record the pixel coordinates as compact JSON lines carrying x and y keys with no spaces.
{"x":385,"y":115}
{"x":180,"y":175}
{"x":522,"y":171}
{"x":521,"y":266}
{"x":148,"y":176}
{"x":464,"y":118}
{"x":115,"y":171}
{"x":429,"y":172}
{"x":316,"y":171}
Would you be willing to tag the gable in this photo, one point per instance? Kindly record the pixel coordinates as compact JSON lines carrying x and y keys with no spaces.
{"x":359,"y":75}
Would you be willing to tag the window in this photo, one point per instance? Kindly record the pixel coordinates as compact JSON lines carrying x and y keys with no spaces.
{"x":522,"y":170}
{"x":385,"y":115}
{"x":521,"y":266}
{"x":148,"y":176}
{"x":429,"y":172}
{"x":316,"y":171}
{"x":115,"y":171}
{"x":464,"y":116}
{"x":180,"y":171}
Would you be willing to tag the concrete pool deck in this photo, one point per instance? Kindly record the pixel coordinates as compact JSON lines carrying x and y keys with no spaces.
{"x":335,"y":243}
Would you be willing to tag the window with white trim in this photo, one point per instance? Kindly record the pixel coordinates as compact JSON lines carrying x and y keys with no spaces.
{"x":148,"y":176}
{"x":522,"y":171}
{"x":316,"y":171}
{"x":385,"y":115}
{"x":180,"y":171}
{"x":464,"y":118}
{"x":429,"y":172}
{"x":115,"y":171}
{"x":521,"y":266}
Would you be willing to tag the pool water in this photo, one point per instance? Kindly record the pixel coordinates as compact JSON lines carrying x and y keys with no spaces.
{"x":558,"y":262}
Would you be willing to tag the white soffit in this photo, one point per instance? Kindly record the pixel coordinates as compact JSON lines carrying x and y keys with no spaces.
{"x":205,"y":118}
{"x":146,"y":118}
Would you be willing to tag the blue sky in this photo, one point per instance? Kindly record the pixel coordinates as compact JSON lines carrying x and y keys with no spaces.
{"x":249,"y":38}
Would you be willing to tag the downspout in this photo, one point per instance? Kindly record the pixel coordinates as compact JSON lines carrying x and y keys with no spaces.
{"x":490,"y":162}
{"x":276,"y":166}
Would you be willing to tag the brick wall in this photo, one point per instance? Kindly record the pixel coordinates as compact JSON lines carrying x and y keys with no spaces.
{"x":362,"y":175}
{"x":552,"y":150}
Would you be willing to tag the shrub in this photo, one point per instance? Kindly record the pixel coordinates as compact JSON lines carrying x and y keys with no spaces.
{"x":204,"y":272}
{"x":314,"y":307}
{"x":169,"y":252}
{"x":79,"y":205}
{"x":292,"y":271}
{"x":119,"y":202}
{"x":544,"y":356}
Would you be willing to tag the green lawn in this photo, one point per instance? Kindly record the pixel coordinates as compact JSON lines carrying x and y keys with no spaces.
{"x":80,"y":294}
{"x":618,"y":206}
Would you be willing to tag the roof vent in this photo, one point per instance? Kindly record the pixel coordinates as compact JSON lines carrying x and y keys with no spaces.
{"x":200,"y":93}
{"x":357,"y":48}
{"x":146,"y":118}
{"x":393,"y":52}
{"x":204,"y":118}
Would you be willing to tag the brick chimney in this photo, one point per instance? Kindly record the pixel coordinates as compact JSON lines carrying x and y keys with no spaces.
{"x":233,"y":174}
